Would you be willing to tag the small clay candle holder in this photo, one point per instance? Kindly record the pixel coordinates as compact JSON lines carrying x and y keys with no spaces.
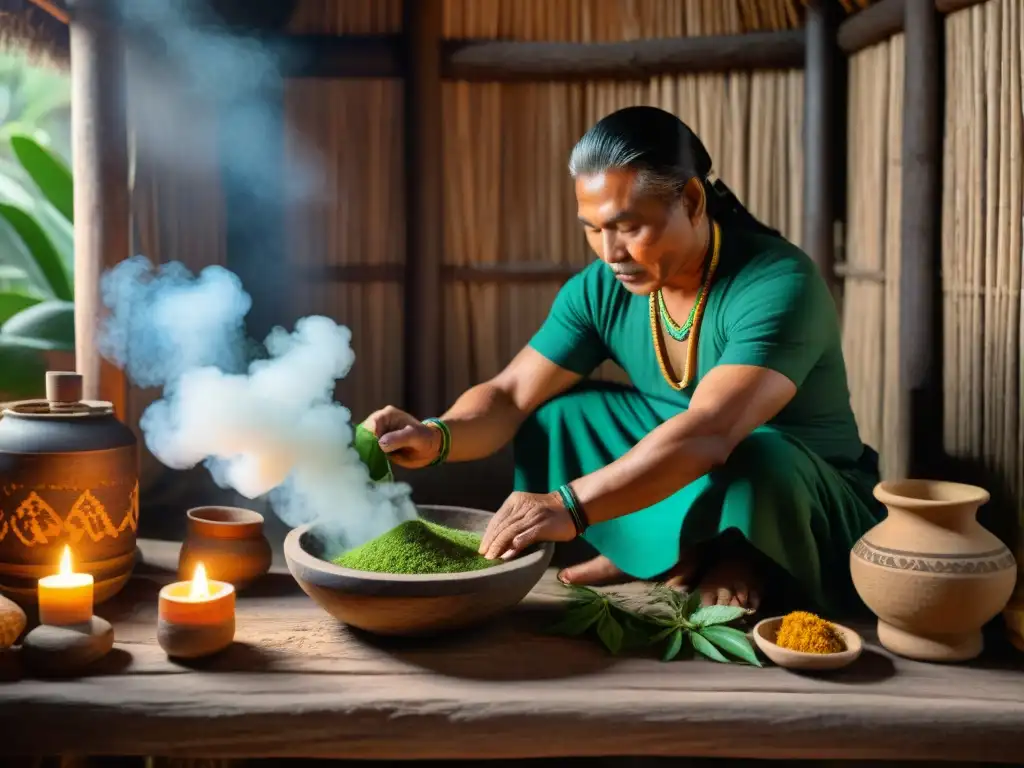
{"x":68,"y":637}
{"x":229,"y":542}
{"x":196,"y":618}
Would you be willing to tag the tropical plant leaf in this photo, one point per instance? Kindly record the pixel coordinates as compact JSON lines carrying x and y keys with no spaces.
{"x":586,"y":594}
{"x":675,"y":644}
{"x":732,"y":641}
{"x":704,"y":647}
{"x":42,"y":250}
{"x":610,"y":632}
{"x":48,"y":324}
{"x":372,"y":455}
{"x":22,"y":368}
{"x":48,"y":172}
{"x":709,"y":615}
{"x":13,"y":302}
{"x":577,"y":619}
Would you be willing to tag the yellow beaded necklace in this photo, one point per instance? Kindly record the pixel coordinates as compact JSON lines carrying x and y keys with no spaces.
{"x":690,"y":367}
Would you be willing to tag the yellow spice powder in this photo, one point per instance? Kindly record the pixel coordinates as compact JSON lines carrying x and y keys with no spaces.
{"x":805,"y":632}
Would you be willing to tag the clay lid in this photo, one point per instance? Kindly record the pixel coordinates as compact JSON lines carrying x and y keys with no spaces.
{"x":63,"y":399}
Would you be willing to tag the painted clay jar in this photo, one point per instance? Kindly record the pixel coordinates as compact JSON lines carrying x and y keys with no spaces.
{"x":930,"y":572}
{"x":68,"y":476}
{"x":229,"y":542}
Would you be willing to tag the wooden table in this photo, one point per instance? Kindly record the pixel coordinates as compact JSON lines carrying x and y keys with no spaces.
{"x":298,"y":684}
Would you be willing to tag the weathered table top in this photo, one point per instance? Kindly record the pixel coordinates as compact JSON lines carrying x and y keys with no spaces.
{"x":298,"y":684}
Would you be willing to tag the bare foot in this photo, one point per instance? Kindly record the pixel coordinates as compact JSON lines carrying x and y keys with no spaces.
{"x":730,"y":581}
{"x":599,"y":571}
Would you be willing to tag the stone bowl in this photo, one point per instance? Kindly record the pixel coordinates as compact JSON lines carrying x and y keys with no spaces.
{"x":767,"y":630}
{"x":410,"y":605}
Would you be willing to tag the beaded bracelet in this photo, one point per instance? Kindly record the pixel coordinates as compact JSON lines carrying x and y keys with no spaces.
{"x":575,"y":509}
{"x":446,"y":440}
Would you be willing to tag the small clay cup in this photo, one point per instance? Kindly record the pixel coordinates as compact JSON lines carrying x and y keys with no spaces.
{"x":230,"y":544}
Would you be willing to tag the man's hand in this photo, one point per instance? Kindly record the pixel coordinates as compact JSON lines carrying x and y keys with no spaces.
{"x":405,"y":439}
{"x":524,"y":519}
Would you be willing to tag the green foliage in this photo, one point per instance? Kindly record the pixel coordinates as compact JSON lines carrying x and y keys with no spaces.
{"x":663,"y":617}
{"x":36,"y":225}
{"x":372,"y":455}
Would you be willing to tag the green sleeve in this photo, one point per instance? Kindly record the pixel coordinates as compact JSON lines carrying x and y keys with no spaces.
{"x":780,"y":317}
{"x":569,"y":336}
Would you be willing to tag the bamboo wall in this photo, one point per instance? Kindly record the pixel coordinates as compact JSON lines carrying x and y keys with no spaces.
{"x":983,"y":246}
{"x":870,"y":306}
{"x":508,"y":196}
{"x":177,"y":206}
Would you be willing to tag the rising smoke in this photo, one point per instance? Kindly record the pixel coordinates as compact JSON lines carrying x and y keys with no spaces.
{"x":264,"y":425}
{"x":260,"y":417}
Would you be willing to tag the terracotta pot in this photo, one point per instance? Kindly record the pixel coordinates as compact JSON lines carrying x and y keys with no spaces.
{"x":1014,"y":616}
{"x":930,"y":572}
{"x":229,"y":542}
{"x":69,"y":475}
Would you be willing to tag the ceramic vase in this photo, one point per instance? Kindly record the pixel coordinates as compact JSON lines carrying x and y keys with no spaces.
{"x":69,"y":477}
{"x":229,"y":542}
{"x":930,"y":572}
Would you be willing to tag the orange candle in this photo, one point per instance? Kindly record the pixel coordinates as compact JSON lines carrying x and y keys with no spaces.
{"x":66,"y":597}
{"x":196,"y":617}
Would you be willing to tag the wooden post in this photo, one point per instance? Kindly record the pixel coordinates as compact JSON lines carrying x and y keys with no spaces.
{"x":424,"y":302}
{"x":99,"y":151}
{"x":920,"y":426}
{"x":820,"y":146}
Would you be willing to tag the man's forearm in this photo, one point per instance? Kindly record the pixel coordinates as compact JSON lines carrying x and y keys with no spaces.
{"x":482,"y":421}
{"x":666,"y":460}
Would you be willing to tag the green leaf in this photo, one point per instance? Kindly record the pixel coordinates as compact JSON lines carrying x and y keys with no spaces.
{"x":610,"y":632}
{"x":692,"y":604}
{"x":658,"y":632}
{"x":577,"y":619}
{"x":13,"y":302}
{"x":716,"y":614}
{"x":39,"y":245}
{"x":48,"y":324}
{"x":372,"y":455}
{"x":675,"y":644}
{"x":12,"y":277}
{"x":704,"y":647}
{"x":586,"y":594}
{"x":732,"y":641}
{"x":48,"y":172}
{"x":22,"y":369}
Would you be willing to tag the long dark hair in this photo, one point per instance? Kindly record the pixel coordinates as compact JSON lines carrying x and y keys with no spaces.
{"x":667,"y":153}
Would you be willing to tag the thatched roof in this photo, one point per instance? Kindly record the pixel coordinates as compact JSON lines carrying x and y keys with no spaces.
{"x":26,"y":28}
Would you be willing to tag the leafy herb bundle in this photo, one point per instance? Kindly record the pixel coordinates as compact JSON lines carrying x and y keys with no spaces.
{"x":664,"y":615}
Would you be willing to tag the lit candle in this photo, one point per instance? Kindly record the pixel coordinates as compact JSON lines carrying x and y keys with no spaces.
{"x":196,"y":617}
{"x":66,"y":597}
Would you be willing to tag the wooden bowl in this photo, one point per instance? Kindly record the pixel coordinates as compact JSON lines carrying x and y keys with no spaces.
{"x":399,"y":604}
{"x":765,"y":632}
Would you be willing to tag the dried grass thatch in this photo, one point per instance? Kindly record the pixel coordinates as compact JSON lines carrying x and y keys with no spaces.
{"x":27,"y":29}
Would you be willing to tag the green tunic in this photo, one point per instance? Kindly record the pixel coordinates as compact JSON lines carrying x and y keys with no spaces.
{"x":798,"y":488}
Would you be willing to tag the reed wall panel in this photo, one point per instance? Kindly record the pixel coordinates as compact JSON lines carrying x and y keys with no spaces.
{"x":983,"y":245}
{"x":177,"y":198}
{"x":345,"y":151}
{"x":870,"y":309}
{"x":346,"y":17}
{"x":508,"y":197}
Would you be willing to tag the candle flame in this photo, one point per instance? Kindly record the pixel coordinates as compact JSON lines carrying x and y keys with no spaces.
{"x":65,"y":562}
{"x":200,"y":586}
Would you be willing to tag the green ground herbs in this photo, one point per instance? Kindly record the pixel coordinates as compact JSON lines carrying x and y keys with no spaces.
{"x":418,"y":547}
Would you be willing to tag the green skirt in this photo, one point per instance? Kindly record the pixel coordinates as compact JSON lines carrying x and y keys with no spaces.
{"x":798,"y":510}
